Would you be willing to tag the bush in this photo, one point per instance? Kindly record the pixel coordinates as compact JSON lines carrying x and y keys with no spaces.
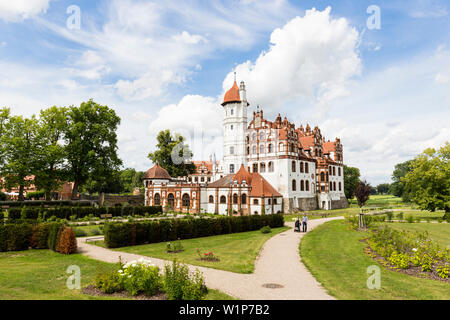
{"x":266,"y":229}
{"x":179,"y":285}
{"x":108,"y":282}
{"x":18,"y":237}
{"x":53,"y":236}
{"x":400,"y":216}
{"x":446,"y":217}
{"x":389,"y":215}
{"x":39,"y":236}
{"x":3,"y":196}
{"x":410,"y":219}
{"x":67,"y":241}
{"x":140,"y":276}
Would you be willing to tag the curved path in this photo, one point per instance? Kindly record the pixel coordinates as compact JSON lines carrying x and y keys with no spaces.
{"x":279,"y":263}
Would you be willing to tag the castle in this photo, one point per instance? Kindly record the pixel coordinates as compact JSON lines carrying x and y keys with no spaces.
{"x":267,"y":167}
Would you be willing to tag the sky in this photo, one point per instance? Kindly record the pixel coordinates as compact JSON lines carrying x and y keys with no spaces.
{"x":376,"y":74}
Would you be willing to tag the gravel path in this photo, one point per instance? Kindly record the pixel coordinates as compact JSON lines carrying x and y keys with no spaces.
{"x":279,"y":263}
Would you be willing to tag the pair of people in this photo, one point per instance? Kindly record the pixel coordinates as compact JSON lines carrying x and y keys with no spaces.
{"x":304,"y":223}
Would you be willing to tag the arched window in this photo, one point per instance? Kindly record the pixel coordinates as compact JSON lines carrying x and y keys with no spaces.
{"x":254,"y":149}
{"x":271,"y":167}
{"x":302,"y":185}
{"x":223,"y":199}
{"x":261,"y":148}
{"x":254,"y":136}
{"x":231,"y":168}
{"x":292,"y":147}
{"x":331,"y":186}
{"x":232,"y":111}
{"x":339,"y":171}
{"x":306,"y":167}
{"x":334,"y":186}
{"x":334,"y":171}
{"x":186,"y":200}
{"x":340,"y":186}
{"x":157,"y":200}
{"x":211,"y":199}
{"x":302,"y":167}
{"x":262,"y":167}
{"x":281,"y":147}
{"x":171,"y":200}
{"x":294,"y":167}
{"x":270,"y":148}
{"x":244,"y":199}
{"x":255,"y":201}
{"x":255,"y":167}
{"x":294,"y":185}
{"x":307,"y":185}
{"x":261,"y":135}
{"x":322,"y":177}
{"x":235,"y":198}
{"x":248,"y":150}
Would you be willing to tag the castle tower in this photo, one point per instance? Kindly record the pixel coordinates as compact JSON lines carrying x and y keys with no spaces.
{"x":235,"y":107}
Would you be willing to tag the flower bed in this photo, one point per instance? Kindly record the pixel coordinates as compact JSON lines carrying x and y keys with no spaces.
{"x":413,"y":253}
{"x":207,"y":256}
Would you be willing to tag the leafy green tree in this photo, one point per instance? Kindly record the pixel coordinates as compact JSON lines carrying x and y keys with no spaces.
{"x":111,"y":184}
{"x":397,"y":188}
{"x":19,"y":148}
{"x":131,"y":179}
{"x":50,"y":157}
{"x":4,"y":120}
{"x":428,"y":182}
{"x":91,"y":145}
{"x":383,"y":188}
{"x":173,"y":154}
{"x":351,"y":180}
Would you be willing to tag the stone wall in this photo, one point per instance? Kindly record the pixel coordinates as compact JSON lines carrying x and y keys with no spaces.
{"x":308,"y":204}
{"x":339,"y":204}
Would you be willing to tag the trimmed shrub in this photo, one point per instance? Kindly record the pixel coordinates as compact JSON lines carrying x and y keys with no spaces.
{"x":266,"y":229}
{"x":126,"y":234}
{"x":53,"y":236}
{"x":39,"y":236}
{"x":14,"y":214}
{"x":67,"y":241}
{"x":18,"y":237}
{"x":3,"y":237}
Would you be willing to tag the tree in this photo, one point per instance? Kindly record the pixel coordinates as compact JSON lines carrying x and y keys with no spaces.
{"x":50,"y":157}
{"x":362,"y":193}
{"x":351,"y":180}
{"x":4,"y":120}
{"x":397,"y":188}
{"x":18,"y":145}
{"x":173,"y":154}
{"x":91,"y":144}
{"x":383,"y":188}
{"x":428,"y":182}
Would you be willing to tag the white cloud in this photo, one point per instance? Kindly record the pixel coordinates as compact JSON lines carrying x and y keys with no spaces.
{"x":19,"y":10}
{"x":312,"y":56}
{"x":187,"y":38}
{"x":442,"y":79}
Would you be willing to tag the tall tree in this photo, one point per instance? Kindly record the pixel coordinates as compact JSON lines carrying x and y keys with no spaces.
{"x":351,"y":180}
{"x":362,"y":193}
{"x":19,"y":147}
{"x":91,"y":144}
{"x":428,"y":183}
{"x":4,"y":120}
{"x":50,"y":157}
{"x":173,"y":154}
{"x":397,"y":188}
{"x":383,"y":188}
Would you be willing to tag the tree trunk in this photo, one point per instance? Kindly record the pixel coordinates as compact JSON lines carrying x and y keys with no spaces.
{"x":75,"y":191}
{"x":21,"y":189}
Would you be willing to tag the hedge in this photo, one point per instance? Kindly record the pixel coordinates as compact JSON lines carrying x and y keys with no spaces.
{"x":38,"y":203}
{"x":22,"y":236}
{"x":80,"y":212}
{"x":135,"y":233}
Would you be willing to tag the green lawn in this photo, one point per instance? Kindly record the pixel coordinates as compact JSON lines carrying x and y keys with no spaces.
{"x":334,"y":255}
{"x":237,"y":252}
{"x":440,"y":232}
{"x":41,"y":275}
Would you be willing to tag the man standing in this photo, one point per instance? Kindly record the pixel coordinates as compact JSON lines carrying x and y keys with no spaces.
{"x":297,"y":225}
{"x":305,"y":223}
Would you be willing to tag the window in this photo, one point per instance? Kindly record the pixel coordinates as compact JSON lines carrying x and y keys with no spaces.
{"x":231,"y":150}
{"x":340,"y":186}
{"x":223,"y":199}
{"x":334,"y":171}
{"x":157,"y":200}
{"x":232,"y":127}
{"x":339,"y":171}
{"x":275,"y":201}
{"x":306,"y":167}
{"x":235,"y":198}
{"x":254,"y":136}
{"x":186,"y":200}
{"x":211,"y":199}
{"x":254,"y":149}
{"x":307,"y":185}
{"x":271,"y":167}
{"x":202,"y":179}
{"x":255,"y":201}
{"x":231,"y":168}
{"x":280,"y":147}
{"x":261,"y":148}
{"x":302,"y":167}
{"x":171,"y":200}
{"x":270,"y":148}
{"x":294,"y":185}
{"x":232,"y":111}
{"x":322,"y":177}
{"x":255,"y":167}
{"x":244,"y":199}
{"x":263,"y":167}
{"x":269,"y":201}
{"x":261,"y":135}
{"x":294,"y":167}
{"x":302,"y":185}
{"x":331,"y":186}
{"x":248,"y":150}
{"x":292,"y":147}
{"x":334,"y":186}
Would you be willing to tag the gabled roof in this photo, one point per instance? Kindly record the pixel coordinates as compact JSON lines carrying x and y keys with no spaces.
{"x":157,"y":172}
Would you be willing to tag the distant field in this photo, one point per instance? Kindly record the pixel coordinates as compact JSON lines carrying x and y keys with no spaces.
{"x":380,"y":200}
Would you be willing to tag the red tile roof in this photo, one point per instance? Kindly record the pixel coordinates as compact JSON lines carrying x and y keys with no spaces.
{"x":232,"y":95}
{"x":157,"y":172}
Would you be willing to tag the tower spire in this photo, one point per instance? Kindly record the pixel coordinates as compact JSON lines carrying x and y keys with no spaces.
{"x":235,"y":76}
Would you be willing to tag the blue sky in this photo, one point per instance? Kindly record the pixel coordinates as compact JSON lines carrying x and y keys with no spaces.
{"x":166,"y":64}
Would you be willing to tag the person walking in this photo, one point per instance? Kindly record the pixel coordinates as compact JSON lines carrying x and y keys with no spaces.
{"x":305,"y":223}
